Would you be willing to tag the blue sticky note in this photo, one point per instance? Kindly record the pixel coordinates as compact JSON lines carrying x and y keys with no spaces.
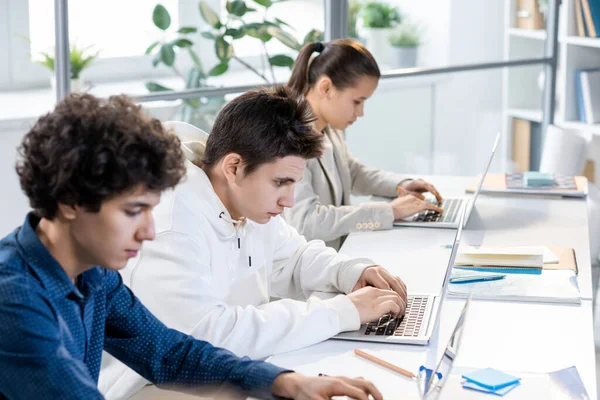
{"x":499,"y":392}
{"x":535,"y":178}
{"x":491,"y":378}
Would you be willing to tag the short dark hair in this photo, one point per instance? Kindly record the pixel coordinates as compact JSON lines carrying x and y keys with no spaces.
{"x":262,"y":126}
{"x":344,"y":61}
{"x":88,"y":150}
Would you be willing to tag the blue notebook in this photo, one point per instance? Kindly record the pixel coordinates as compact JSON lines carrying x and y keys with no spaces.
{"x":491,"y":378}
{"x":498,"y":392}
{"x":504,"y":270}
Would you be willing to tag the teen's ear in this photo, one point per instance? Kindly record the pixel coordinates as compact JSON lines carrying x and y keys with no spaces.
{"x":232,"y":167}
{"x":67,"y":212}
{"x":324,"y":86}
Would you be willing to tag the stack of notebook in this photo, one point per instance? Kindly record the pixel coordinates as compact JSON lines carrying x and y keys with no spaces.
{"x":536,"y":274}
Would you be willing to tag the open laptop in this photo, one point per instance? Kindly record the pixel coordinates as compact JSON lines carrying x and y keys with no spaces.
{"x":432,"y":382}
{"x":422,"y":312}
{"x":449,"y":218}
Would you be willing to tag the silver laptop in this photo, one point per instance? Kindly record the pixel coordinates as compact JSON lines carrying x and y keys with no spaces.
{"x":449,"y":218}
{"x":431,"y":382}
{"x":422,"y":312}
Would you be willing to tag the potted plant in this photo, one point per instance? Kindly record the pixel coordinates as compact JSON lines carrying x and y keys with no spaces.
{"x":225,"y":30}
{"x":378,"y":19}
{"x":405,"y":42}
{"x":81,"y":58}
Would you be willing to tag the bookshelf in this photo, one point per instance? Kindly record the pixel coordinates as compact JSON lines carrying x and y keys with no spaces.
{"x":522,"y":96}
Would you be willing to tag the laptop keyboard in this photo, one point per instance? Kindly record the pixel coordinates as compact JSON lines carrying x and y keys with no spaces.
{"x":450,"y":206}
{"x":407,"y":325}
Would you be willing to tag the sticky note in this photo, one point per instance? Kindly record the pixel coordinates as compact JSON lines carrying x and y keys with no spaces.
{"x":491,"y":378}
{"x":498,"y":392}
{"x":534,"y":178}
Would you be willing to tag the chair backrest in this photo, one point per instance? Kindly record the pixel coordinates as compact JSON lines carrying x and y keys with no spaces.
{"x":565,"y":151}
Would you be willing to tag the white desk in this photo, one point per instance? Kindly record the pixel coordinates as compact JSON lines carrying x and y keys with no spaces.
{"x":505,"y":335}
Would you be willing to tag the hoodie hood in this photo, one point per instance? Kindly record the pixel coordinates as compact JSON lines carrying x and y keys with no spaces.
{"x":193,"y":144}
{"x":193,"y":139}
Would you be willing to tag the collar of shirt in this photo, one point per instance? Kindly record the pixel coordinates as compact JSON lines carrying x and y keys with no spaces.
{"x":48,"y":270}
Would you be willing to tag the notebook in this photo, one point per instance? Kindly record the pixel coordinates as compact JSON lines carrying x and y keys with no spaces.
{"x":525,"y":257}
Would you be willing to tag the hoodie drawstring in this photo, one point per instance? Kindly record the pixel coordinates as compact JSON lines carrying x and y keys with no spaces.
{"x":240,"y":229}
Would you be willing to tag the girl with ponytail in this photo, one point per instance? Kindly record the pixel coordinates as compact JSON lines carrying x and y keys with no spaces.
{"x":337,"y":78}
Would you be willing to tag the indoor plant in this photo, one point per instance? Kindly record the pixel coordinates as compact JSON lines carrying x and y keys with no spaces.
{"x":224,"y":30}
{"x":81,"y":58}
{"x":378,"y":19}
{"x":405,"y":42}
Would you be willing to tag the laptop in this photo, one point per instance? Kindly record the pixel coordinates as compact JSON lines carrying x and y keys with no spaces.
{"x":449,"y":218}
{"x":422,"y":313}
{"x":431,"y":382}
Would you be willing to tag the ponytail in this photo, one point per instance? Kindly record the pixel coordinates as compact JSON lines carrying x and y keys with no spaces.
{"x":344,"y":61}
{"x":299,"y":80}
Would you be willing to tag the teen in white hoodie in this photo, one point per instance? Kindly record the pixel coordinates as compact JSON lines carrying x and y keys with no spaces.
{"x":222,"y":251}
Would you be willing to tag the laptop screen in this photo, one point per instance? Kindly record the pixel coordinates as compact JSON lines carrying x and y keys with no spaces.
{"x":434,"y":381}
{"x":482,"y":178}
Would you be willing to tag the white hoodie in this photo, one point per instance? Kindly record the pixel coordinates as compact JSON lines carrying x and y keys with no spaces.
{"x":210,"y":276}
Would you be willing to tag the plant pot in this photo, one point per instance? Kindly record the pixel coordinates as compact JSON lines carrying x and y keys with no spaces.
{"x":377,"y":42}
{"x":76,"y":84}
{"x":403,"y":57}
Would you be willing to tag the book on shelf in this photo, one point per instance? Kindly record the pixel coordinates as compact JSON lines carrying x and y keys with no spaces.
{"x":587,"y":17}
{"x":587,"y":87}
{"x":580,"y":25}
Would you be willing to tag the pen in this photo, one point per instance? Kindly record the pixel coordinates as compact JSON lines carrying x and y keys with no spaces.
{"x":476,"y":279}
{"x":385,"y":364}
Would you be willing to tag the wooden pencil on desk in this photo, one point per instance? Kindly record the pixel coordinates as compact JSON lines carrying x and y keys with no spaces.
{"x":383,"y":363}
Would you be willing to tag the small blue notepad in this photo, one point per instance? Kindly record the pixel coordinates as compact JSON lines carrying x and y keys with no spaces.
{"x":491,"y":378}
{"x":499,"y":392}
{"x":535,"y":179}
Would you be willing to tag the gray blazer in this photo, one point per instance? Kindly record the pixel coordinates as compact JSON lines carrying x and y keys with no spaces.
{"x":315,"y":214}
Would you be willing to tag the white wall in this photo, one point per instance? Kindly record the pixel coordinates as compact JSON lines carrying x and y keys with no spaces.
{"x":465,"y":109}
{"x":14,"y":204}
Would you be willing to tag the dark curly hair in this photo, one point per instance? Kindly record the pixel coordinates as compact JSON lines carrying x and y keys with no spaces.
{"x":263,"y":125}
{"x":89,"y":150}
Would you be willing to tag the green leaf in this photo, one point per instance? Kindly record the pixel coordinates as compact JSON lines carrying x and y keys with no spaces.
{"x":237,"y":7}
{"x":264,"y":3}
{"x":208,"y":35}
{"x":157,"y":87}
{"x":284,"y":37}
{"x":281,"y":60}
{"x":187,"y":29}
{"x":161,"y":17}
{"x":151,"y":47}
{"x":223,"y":49}
{"x":183,"y":43}
{"x":167,"y":54}
{"x":263,"y":34}
{"x":314,"y":35}
{"x":219,"y":69}
{"x":235,"y":33}
{"x":209,"y":15}
{"x":280,"y":22}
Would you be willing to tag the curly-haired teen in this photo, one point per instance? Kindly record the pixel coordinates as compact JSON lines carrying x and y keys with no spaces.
{"x":223,"y":252}
{"x":93,"y":170}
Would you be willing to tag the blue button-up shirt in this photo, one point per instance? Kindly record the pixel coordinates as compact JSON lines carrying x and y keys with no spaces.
{"x":52,"y":332}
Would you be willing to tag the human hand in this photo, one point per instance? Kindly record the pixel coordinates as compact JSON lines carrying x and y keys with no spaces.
{"x":418,"y":186}
{"x":406,"y":206}
{"x":297,"y":386}
{"x":371,"y":303}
